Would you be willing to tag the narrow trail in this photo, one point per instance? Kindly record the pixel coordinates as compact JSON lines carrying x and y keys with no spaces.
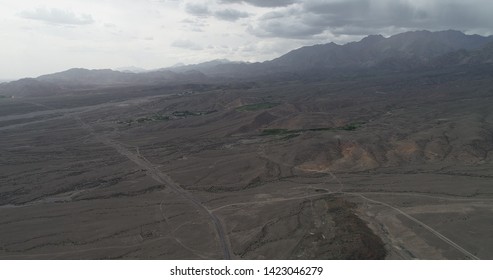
{"x":438,"y":197}
{"x":164,"y":179}
{"x":430,"y":229}
{"x":172,"y":234}
{"x":273,"y":200}
{"x":262,"y":154}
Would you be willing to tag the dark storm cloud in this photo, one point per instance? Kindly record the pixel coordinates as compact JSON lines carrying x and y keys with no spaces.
{"x":463,"y":15}
{"x":351,"y":7}
{"x":230,"y":14}
{"x":263,"y":3}
{"x":363,"y":13}
{"x":285,"y":24}
{"x":56,"y":16}
{"x":313,"y":17}
{"x":200,"y":10}
{"x":286,"y":30}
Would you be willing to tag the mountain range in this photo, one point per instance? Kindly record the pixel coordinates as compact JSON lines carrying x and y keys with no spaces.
{"x":402,"y":52}
{"x":405,"y":51}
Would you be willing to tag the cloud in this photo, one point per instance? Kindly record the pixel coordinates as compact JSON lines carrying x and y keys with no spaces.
{"x":317,"y":17}
{"x":57,"y":16}
{"x":286,"y":23}
{"x":362,"y":13}
{"x":186,"y":44}
{"x":203,"y":11}
{"x":230,"y":14}
{"x":263,"y":3}
{"x":348,"y":7}
{"x":195,"y":24}
{"x":294,"y":29}
{"x":199,"y":10}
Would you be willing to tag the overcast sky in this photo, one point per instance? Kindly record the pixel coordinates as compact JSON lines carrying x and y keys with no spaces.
{"x":40,"y":37}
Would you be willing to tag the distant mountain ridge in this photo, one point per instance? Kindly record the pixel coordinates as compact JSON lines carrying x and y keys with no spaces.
{"x":107,"y":77}
{"x":131,"y":69}
{"x":401,"y":52}
{"x":180,"y":67}
{"x":80,"y":79}
{"x":29,"y":87}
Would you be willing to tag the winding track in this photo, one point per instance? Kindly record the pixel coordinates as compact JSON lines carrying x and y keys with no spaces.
{"x":164,"y":179}
{"x":262,"y":154}
{"x":430,"y":229}
{"x":160,"y":177}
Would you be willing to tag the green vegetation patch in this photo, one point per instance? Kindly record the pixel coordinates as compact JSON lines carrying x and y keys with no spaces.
{"x":158,"y":117}
{"x":288,"y":134}
{"x":276,"y":131}
{"x":351,"y":126}
{"x":153,"y":118}
{"x":184,"y":114}
{"x":257,"y":106}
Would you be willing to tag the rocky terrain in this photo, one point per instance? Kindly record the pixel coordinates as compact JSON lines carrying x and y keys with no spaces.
{"x":377,"y":164}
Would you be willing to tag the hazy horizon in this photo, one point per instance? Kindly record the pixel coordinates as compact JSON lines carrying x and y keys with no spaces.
{"x":43,"y":38}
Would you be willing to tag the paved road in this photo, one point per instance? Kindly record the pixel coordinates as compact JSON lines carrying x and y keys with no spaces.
{"x":164,"y":179}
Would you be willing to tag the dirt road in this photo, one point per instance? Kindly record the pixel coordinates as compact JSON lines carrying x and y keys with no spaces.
{"x":164,"y":179}
{"x":430,"y":229}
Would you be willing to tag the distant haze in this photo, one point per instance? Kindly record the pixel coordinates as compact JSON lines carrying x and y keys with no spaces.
{"x":40,"y":37}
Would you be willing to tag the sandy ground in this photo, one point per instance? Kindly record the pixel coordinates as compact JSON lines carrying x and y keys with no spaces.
{"x":168,"y":176}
